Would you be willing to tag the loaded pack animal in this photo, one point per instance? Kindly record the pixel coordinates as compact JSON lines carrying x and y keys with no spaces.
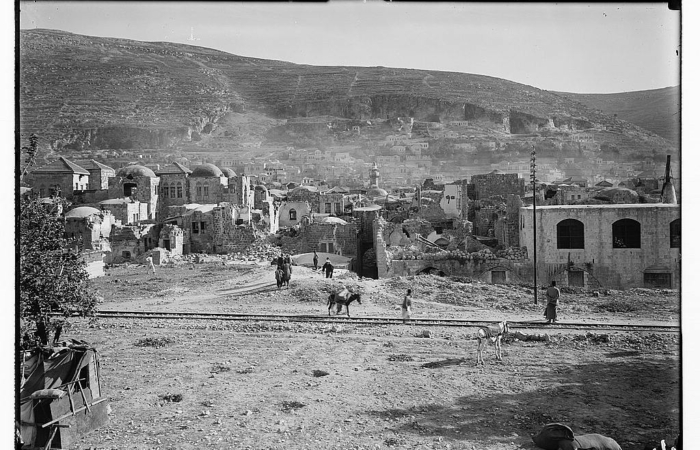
{"x":343,"y":298}
{"x":492,"y":334}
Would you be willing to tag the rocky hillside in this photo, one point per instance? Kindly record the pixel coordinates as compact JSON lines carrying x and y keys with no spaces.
{"x":656,"y":110}
{"x":81,"y":92}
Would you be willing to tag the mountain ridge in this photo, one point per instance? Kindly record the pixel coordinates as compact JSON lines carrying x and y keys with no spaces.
{"x":91,"y":92}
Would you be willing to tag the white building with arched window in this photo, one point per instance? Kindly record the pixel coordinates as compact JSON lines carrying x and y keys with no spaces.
{"x":616,"y":246}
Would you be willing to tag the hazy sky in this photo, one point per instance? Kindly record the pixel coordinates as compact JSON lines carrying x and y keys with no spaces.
{"x":586,"y":48}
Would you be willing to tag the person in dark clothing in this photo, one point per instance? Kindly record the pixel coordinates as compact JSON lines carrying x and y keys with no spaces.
{"x":328,"y":268}
{"x":315,"y":260}
{"x":552,"y":303}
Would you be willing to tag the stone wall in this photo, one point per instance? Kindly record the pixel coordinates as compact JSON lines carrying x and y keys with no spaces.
{"x":310,"y":236}
{"x":131,"y":239}
{"x":514,"y":271}
{"x":94,"y":263}
{"x":490,"y":184}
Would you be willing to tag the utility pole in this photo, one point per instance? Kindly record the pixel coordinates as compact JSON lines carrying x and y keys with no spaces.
{"x":534,"y":217}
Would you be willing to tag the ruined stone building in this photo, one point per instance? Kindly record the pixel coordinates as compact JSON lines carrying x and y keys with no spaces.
{"x":617,"y":246}
{"x":126,"y":211}
{"x":497,"y":183}
{"x":131,"y":241}
{"x":90,"y":226}
{"x":139,"y":183}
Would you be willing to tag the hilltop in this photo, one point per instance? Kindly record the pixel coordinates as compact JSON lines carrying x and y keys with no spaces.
{"x":81,"y":92}
{"x":656,"y":110}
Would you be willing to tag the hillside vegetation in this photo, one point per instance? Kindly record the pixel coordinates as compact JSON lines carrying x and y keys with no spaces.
{"x":81,"y":92}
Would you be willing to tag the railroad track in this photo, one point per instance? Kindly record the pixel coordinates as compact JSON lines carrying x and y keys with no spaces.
{"x":423,"y":322}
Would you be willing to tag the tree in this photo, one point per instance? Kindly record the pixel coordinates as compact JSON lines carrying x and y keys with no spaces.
{"x":52,"y":277}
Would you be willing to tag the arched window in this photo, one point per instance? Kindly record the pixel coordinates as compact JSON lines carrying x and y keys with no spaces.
{"x":292,"y":214}
{"x":206,"y":190}
{"x":570,"y":234}
{"x":179,"y":190}
{"x":199,"y":190}
{"x":172,"y":190}
{"x":626,"y":233}
{"x":675,"y":232}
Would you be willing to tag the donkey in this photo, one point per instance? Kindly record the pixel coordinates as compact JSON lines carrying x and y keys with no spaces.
{"x":493,"y":334}
{"x":343,"y":298}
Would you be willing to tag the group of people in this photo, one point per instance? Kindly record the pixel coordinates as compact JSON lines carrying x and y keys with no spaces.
{"x":283,"y":273}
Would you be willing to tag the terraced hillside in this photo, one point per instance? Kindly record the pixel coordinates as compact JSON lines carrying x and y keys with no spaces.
{"x":88,"y":92}
{"x":656,"y":110}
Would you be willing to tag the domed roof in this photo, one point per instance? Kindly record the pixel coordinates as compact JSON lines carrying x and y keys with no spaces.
{"x":81,"y":212}
{"x":205,"y":171}
{"x":136,"y":171}
{"x":228,"y":172}
{"x":376,"y":192}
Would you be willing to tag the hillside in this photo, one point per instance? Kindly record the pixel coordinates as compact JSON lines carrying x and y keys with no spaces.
{"x":656,"y":110}
{"x":81,"y":92}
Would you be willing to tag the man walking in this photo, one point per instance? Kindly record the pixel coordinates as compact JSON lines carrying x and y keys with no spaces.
{"x":315,"y":260}
{"x":552,"y":303}
{"x":406,"y":307}
{"x":328,"y":268}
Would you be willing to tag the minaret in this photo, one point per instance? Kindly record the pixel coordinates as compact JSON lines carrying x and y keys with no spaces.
{"x":374,"y":176}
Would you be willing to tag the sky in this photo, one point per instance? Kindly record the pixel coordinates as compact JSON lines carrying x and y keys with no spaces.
{"x":583,"y":48}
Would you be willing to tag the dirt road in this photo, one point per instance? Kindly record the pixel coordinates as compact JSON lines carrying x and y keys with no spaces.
{"x":263,"y":385}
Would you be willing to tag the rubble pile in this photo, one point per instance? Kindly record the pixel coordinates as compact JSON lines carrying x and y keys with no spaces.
{"x":259,"y":250}
{"x":460,"y":255}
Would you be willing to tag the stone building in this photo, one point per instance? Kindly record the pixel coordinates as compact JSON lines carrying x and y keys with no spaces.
{"x":291,"y":213}
{"x":332,"y":202}
{"x":454,"y":201}
{"x":59,"y":178}
{"x":138,"y":183}
{"x":206,"y":184}
{"x":90,"y":226}
{"x":174,"y":188}
{"x":172,"y":238}
{"x":130,"y":242}
{"x":99,"y":174}
{"x":497,"y":183}
{"x":308,"y":194}
{"x":126,"y":211}
{"x":617,"y":246}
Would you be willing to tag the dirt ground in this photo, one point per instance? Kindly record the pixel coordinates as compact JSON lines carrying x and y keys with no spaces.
{"x":186,"y":384}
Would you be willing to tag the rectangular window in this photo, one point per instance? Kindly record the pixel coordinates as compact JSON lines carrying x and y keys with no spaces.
{"x":195,"y":227}
{"x":338,"y":209}
{"x":76,"y":186}
{"x":328,"y":208}
{"x":203,"y":226}
{"x":657,"y":280}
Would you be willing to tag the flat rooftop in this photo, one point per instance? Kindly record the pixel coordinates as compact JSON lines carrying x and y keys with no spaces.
{"x":614,"y":206}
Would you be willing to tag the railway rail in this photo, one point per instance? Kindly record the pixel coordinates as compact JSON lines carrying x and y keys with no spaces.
{"x":372,"y":321}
